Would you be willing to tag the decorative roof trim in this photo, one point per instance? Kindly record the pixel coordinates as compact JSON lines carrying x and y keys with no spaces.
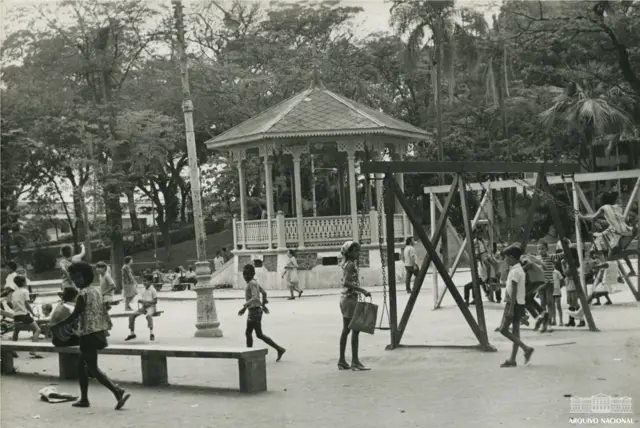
{"x":353,"y":107}
{"x":254,"y":138}
{"x":301,"y":96}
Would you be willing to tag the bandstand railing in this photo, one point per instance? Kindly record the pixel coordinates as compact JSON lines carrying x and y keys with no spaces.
{"x":316,"y":231}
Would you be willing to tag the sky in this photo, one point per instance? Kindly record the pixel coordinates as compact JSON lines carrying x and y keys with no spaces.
{"x":375,"y":16}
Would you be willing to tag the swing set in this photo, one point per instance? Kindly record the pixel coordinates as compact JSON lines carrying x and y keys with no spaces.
{"x":393,"y":191}
{"x":576,"y":196}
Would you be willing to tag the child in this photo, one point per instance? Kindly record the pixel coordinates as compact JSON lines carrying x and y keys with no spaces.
{"x":65,"y":334}
{"x":129,"y":283}
{"x":558,"y":279}
{"x":67,"y":259}
{"x":351,"y":289}
{"x":147,"y":306}
{"x":607,"y":276}
{"x":107,"y":285}
{"x":218,"y":261}
{"x":619,"y":234}
{"x":256,"y":308}
{"x":514,"y":309}
{"x":572,"y":296}
{"x":22,"y":311}
{"x":485,"y":257}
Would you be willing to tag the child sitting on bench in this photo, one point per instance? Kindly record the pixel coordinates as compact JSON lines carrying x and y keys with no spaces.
{"x":147,"y":306}
{"x":619,"y":234}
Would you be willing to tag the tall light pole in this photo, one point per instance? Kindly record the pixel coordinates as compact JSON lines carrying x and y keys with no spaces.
{"x":207,"y":324}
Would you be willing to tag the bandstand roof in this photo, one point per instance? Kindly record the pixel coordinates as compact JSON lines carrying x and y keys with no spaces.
{"x":316,"y":112}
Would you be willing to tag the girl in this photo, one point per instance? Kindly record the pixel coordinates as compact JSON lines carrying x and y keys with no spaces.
{"x":350,"y":283}
{"x":256,"y":308}
{"x":607,"y":276}
{"x":619,"y":234}
{"x":291,"y":272}
{"x":558,"y":279}
{"x":572,"y":296}
{"x":129,"y":283}
{"x":93,"y":323}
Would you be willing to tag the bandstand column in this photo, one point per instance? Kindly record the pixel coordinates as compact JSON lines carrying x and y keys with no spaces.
{"x":239,"y":156}
{"x":265,"y":152}
{"x":353,"y":205}
{"x":296,"y":153}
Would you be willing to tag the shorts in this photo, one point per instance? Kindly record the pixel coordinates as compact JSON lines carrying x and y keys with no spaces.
{"x":23,"y":319}
{"x":348,"y":305}
{"x":510,"y":316}
{"x":255,"y":314}
{"x":148,"y":310}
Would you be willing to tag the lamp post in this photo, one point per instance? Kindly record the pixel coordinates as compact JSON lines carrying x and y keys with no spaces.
{"x":207,"y":324}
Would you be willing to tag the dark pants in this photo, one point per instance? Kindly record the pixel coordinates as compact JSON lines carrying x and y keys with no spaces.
{"x":487,"y":289}
{"x":532,"y":306}
{"x":257,"y":327}
{"x":410,"y":272}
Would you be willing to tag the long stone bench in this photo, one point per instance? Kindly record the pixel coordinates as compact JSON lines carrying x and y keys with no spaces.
{"x":251,"y":362}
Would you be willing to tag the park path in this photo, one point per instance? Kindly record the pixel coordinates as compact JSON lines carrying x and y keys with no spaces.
{"x":406,"y":388}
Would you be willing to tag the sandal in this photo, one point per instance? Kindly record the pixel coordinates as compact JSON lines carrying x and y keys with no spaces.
{"x":527,"y":355}
{"x":358,"y":367}
{"x":343,"y":365}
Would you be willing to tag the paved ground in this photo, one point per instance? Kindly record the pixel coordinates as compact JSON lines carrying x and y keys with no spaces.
{"x":406,"y":388}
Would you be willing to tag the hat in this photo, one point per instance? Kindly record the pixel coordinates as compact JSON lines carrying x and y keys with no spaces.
{"x":347,"y":246}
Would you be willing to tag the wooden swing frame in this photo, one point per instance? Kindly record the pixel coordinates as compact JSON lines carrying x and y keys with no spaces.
{"x":393,"y":191}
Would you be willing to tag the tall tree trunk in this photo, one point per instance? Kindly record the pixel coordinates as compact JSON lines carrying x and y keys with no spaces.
{"x":131,"y":204}
{"x":166,"y":240}
{"x":85,"y":221}
{"x":452,"y":67}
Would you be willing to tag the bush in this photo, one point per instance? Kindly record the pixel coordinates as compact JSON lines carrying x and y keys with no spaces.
{"x":44,"y":259}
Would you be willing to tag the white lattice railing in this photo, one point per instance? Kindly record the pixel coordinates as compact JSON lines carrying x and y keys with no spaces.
{"x":328,"y":230}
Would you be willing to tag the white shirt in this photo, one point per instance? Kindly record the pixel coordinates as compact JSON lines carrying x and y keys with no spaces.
{"x":20,"y":299}
{"x":218,"y":262}
{"x":410,"y":257}
{"x":149,"y":295}
{"x":610,"y":276}
{"x":517,"y":275}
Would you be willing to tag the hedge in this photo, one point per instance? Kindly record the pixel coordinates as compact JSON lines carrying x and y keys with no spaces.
{"x":45,"y":259}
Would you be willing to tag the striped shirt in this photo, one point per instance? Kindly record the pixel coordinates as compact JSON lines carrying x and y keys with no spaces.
{"x":548,"y":266}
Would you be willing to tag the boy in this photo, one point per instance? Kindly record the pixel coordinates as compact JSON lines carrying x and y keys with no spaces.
{"x":514,"y":309}
{"x":147,"y":306}
{"x":256,"y":308}
{"x":107,"y":285}
{"x":67,"y":259}
{"x":23,"y":313}
{"x":410,"y":263}
{"x":546,"y":262}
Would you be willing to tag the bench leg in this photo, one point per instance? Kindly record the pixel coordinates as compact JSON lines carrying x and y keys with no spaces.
{"x":6,"y":364}
{"x":68,"y":366}
{"x":253,"y":374}
{"x":154,"y":370}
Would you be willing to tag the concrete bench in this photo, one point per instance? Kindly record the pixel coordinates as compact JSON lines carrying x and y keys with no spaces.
{"x":132,"y":314}
{"x":251,"y":362}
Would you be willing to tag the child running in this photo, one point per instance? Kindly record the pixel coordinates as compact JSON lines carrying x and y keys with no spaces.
{"x":514,"y":309}
{"x":351,"y":289}
{"x":256,"y":308}
{"x":67,"y":259}
{"x":147,"y":303}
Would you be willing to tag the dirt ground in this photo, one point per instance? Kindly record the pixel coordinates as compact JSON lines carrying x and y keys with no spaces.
{"x":408,"y":387}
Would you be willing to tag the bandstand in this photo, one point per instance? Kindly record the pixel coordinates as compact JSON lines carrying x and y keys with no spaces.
{"x":315,"y":121}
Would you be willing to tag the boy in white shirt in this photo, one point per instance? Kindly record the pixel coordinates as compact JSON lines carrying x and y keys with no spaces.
{"x":218,"y":261}
{"x":410,"y":263}
{"x":22,"y":311}
{"x":514,"y":309}
{"x":147,"y":307}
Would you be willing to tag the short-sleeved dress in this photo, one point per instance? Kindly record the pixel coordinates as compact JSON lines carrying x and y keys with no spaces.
{"x":292,"y":272}
{"x":128,"y":282}
{"x":349,"y":296}
{"x":94,"y":321}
